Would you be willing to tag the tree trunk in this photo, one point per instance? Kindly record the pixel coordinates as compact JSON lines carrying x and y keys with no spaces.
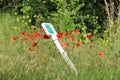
{"x":118,"y":23}
{"x":110,"y":16}
{"x":118,"y":18}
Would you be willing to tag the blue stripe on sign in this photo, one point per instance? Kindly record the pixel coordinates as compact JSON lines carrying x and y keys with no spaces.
{"x":48,"y":27}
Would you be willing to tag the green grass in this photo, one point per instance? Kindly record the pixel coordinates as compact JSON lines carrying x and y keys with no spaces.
{"x":45,"y":63}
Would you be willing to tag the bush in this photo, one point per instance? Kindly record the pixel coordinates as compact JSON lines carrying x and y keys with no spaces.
{"x":66,"y":15}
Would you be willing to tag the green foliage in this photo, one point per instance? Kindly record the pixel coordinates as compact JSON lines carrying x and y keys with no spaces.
{"x":0,"y":2}
{"x":66,"y":15}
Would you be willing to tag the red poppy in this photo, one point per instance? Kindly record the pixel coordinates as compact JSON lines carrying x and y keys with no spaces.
{"x":46,"y":36}
{"x":22,"y":33}
{"x":14,"y":39}
{"x":67,"y":44}
{"x":29,"y":36}
{"x":42,"y":29}
{"x":24,"y":40}
{"x":100,"y":54}
{"x":78,"y":44}
{"x":36,"y":35}
{"x":75,"y":31}
{"x":91,"y":45}
{"x":64,"y":44}
{"x":35,"y":44}
{"x":59,"y":35}
{"x":67,"y":34}
{"x":89,"y":37}
{"x":72,"y":39}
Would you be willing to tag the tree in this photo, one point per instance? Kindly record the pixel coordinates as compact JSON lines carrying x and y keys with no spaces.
{"x":112,"y":10}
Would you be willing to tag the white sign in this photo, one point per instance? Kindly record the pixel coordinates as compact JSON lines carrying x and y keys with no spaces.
{"x":51,"y":32}
{"x":48,"y":29}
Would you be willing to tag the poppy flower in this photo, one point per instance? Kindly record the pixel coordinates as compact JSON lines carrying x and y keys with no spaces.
{"x":24,"y":40}
{"x":22,"y":33}
{"x":42,"y":29}
{"x":64,"y":44}
{"x":14,"y":39}
{"x":100,"y":54}
{"x":29,"y":36}
{"x":89,"y":37}
{"x":91,"y":45}
{"x":46,"y":36}
{"x":75,"y":31}
{"x":78,"y":44}
{"x":72,"y":39}
{"x":67,"y":44}
{"x":67,"y":34}
{"x":35,"y":44}
{"x":36,"y":35}
{"x":61,"y":33}
{"x":59,"y":36}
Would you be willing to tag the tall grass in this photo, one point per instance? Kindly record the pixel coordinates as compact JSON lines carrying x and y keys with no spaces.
{"x":17,"y":62}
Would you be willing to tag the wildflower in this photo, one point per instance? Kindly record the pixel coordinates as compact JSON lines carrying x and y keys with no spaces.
{"x":29,"y":20}
{"x":59,"y":35}
{"x":67,"y":44}
{"x":42,"y":29}
{"x":23,"y":17}
{"x":15,"y":13}
{"x":14,"y":39}
{"x":64,"y":44}
{"x":78,"y":44}
{"x":89,"y":37}
{"x":35,"y":44}
{"x":33,"y":27}
{"x":91,"y":45}
{"x":75,"y":31}
{"x":15,"y":28}
{"x":100,"y":54}
{"x":34,"y":16}
{"x":100,"y":39}
{"x":46,"y":36}
{"x":107,"y":41}
{"x":36,"y":35}
{"x":67,"y":34}
{"x":41,"y":17}
{"x":83,"y":28}
{"x":25,"y":23}
{"x":95,"y":31}
{"x":29,"y":35}
{"x":84,"y":35}
{"x":106,"y":31}
{"x":72,"y":39}
{"x":24,"y":40}
{"x":17,"y":19}
{"x":22,"y":33}
{"x":27,"y":16}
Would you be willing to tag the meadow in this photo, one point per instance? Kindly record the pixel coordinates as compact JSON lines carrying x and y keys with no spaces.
{"x":28,"y":58}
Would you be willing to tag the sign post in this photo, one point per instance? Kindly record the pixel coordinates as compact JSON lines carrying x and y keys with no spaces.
{"x":49,"y":29}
